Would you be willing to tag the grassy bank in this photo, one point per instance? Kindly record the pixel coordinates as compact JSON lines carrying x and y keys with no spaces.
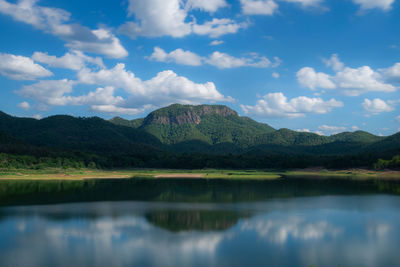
{"x":81,"y":174}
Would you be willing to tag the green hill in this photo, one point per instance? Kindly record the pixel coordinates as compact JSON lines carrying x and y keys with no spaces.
{"x":183,"y":136}
{"x":84,"y":134}
{"x":208,"y":124}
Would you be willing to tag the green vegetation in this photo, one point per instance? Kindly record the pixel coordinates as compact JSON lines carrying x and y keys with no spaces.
{"x":182,"y":137}
{"x":385,"y":164}
{"x":86,"y":173}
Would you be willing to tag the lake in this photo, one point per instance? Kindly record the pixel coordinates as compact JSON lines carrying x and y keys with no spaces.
{"x":199,"y":222}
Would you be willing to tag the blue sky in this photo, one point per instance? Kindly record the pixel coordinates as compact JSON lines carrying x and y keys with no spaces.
{"x":308,"y":65}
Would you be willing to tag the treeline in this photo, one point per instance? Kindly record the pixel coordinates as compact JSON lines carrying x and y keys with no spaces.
{"x":393,"y":163}
{"x":9,"y":161}
{"x":195,"y":161}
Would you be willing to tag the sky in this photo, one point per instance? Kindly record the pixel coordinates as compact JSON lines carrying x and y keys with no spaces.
{"x":322,"y":66}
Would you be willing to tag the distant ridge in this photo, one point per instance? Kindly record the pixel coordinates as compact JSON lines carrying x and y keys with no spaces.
{"x":179,"y":136}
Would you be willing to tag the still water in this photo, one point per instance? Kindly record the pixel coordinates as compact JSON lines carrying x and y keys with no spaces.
{"x":202,"y":223}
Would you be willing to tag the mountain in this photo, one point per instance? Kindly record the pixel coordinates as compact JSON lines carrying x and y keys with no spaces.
{"x":204,"y":124}
{"x":357,"y":136}
{"x":84,"y":134}
{"x":183,"y":136}
{"x":136,"y":123}
{"x":288,"y":141}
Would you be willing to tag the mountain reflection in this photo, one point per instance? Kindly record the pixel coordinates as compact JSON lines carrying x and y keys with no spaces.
{"x":192,"y":220}
{"x":305,"y":231}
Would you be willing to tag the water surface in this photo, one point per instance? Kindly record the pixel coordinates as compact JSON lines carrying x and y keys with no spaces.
{"x":201,"y":223}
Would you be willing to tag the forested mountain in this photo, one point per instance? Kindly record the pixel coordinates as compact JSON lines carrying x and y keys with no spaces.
{"x":180,"y":136}
{"x":84,"y":134}
{"x":210,"y":124}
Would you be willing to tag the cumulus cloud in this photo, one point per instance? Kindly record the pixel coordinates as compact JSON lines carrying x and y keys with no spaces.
{"x":57,"y":22}
{"x":165,"y":88}
{"x":361,"y":80}
{"x":352,"y":81}
{"x":305,"y":3}
{"x":74,"y":60}
{"x":303,"y":130}
{"x":206,"y":5}
{"x":178,"y":56}
{"x":259,"y":7}
{"x":277,"y":105}
{"x":308,"y":77}
{"x":21,"y":68}
{"x":113,"y":109}
{"x":223,"y":60}
{"x":391,"y":73}
{"x":49,"y":92}
{"x":216,"y":42}
{"x":376,"y":106}
{"x":398,"y":118}
{"x":154,"y":18}
{"x":218,"y":27}
{"x":275,"y":75}
{"x":334,"y":62}
{"x":371,"y":4}
{"x":332,"y":129}
{"x":58,"y":93}
{"x":24,"y":105}
{"x":217,"y":59}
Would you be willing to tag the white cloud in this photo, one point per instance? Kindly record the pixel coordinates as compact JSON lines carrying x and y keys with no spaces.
{"x":334,"y":62}
{"x":102,"y":96}
{"x":332,"y":129}
{"x":277,"y":62}
{"x":57,"y":22}
{"x":376,"y":106}
{"x":37,"y":116}
{"x":361,"y":80}
{"x":154,"y":18}
{"x":308,"y":77}
{"x":24,"y":105}
{"x":355,"y":128}
{"x":103,"y":42}
{"x":371,"y":4}
{"x":275,"y":75}
{"x":303,"y":130}
{"x":178,"y":56}
{"x":391,"y":73}
{"x":277,"y":105}
{"x":21,"y":68}
{"x":217,"y":59}
{"x":165,"y":88}
{"x":218,"y":27}
{"x":222,"y":61}
{"x":119,"y":110}
{"x":216,"y":42}
{"x":259,"y":7}
{"x":398,"y":118}
{"x":352,"y":81}
{"x":74,"y":60}
{"x":305,"y":3}
{"x":49,"y":92}
{"x":206,"y":5}
{"x":116,"y":77}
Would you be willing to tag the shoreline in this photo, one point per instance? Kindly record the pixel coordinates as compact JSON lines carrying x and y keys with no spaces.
{"x":83,"y":174}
